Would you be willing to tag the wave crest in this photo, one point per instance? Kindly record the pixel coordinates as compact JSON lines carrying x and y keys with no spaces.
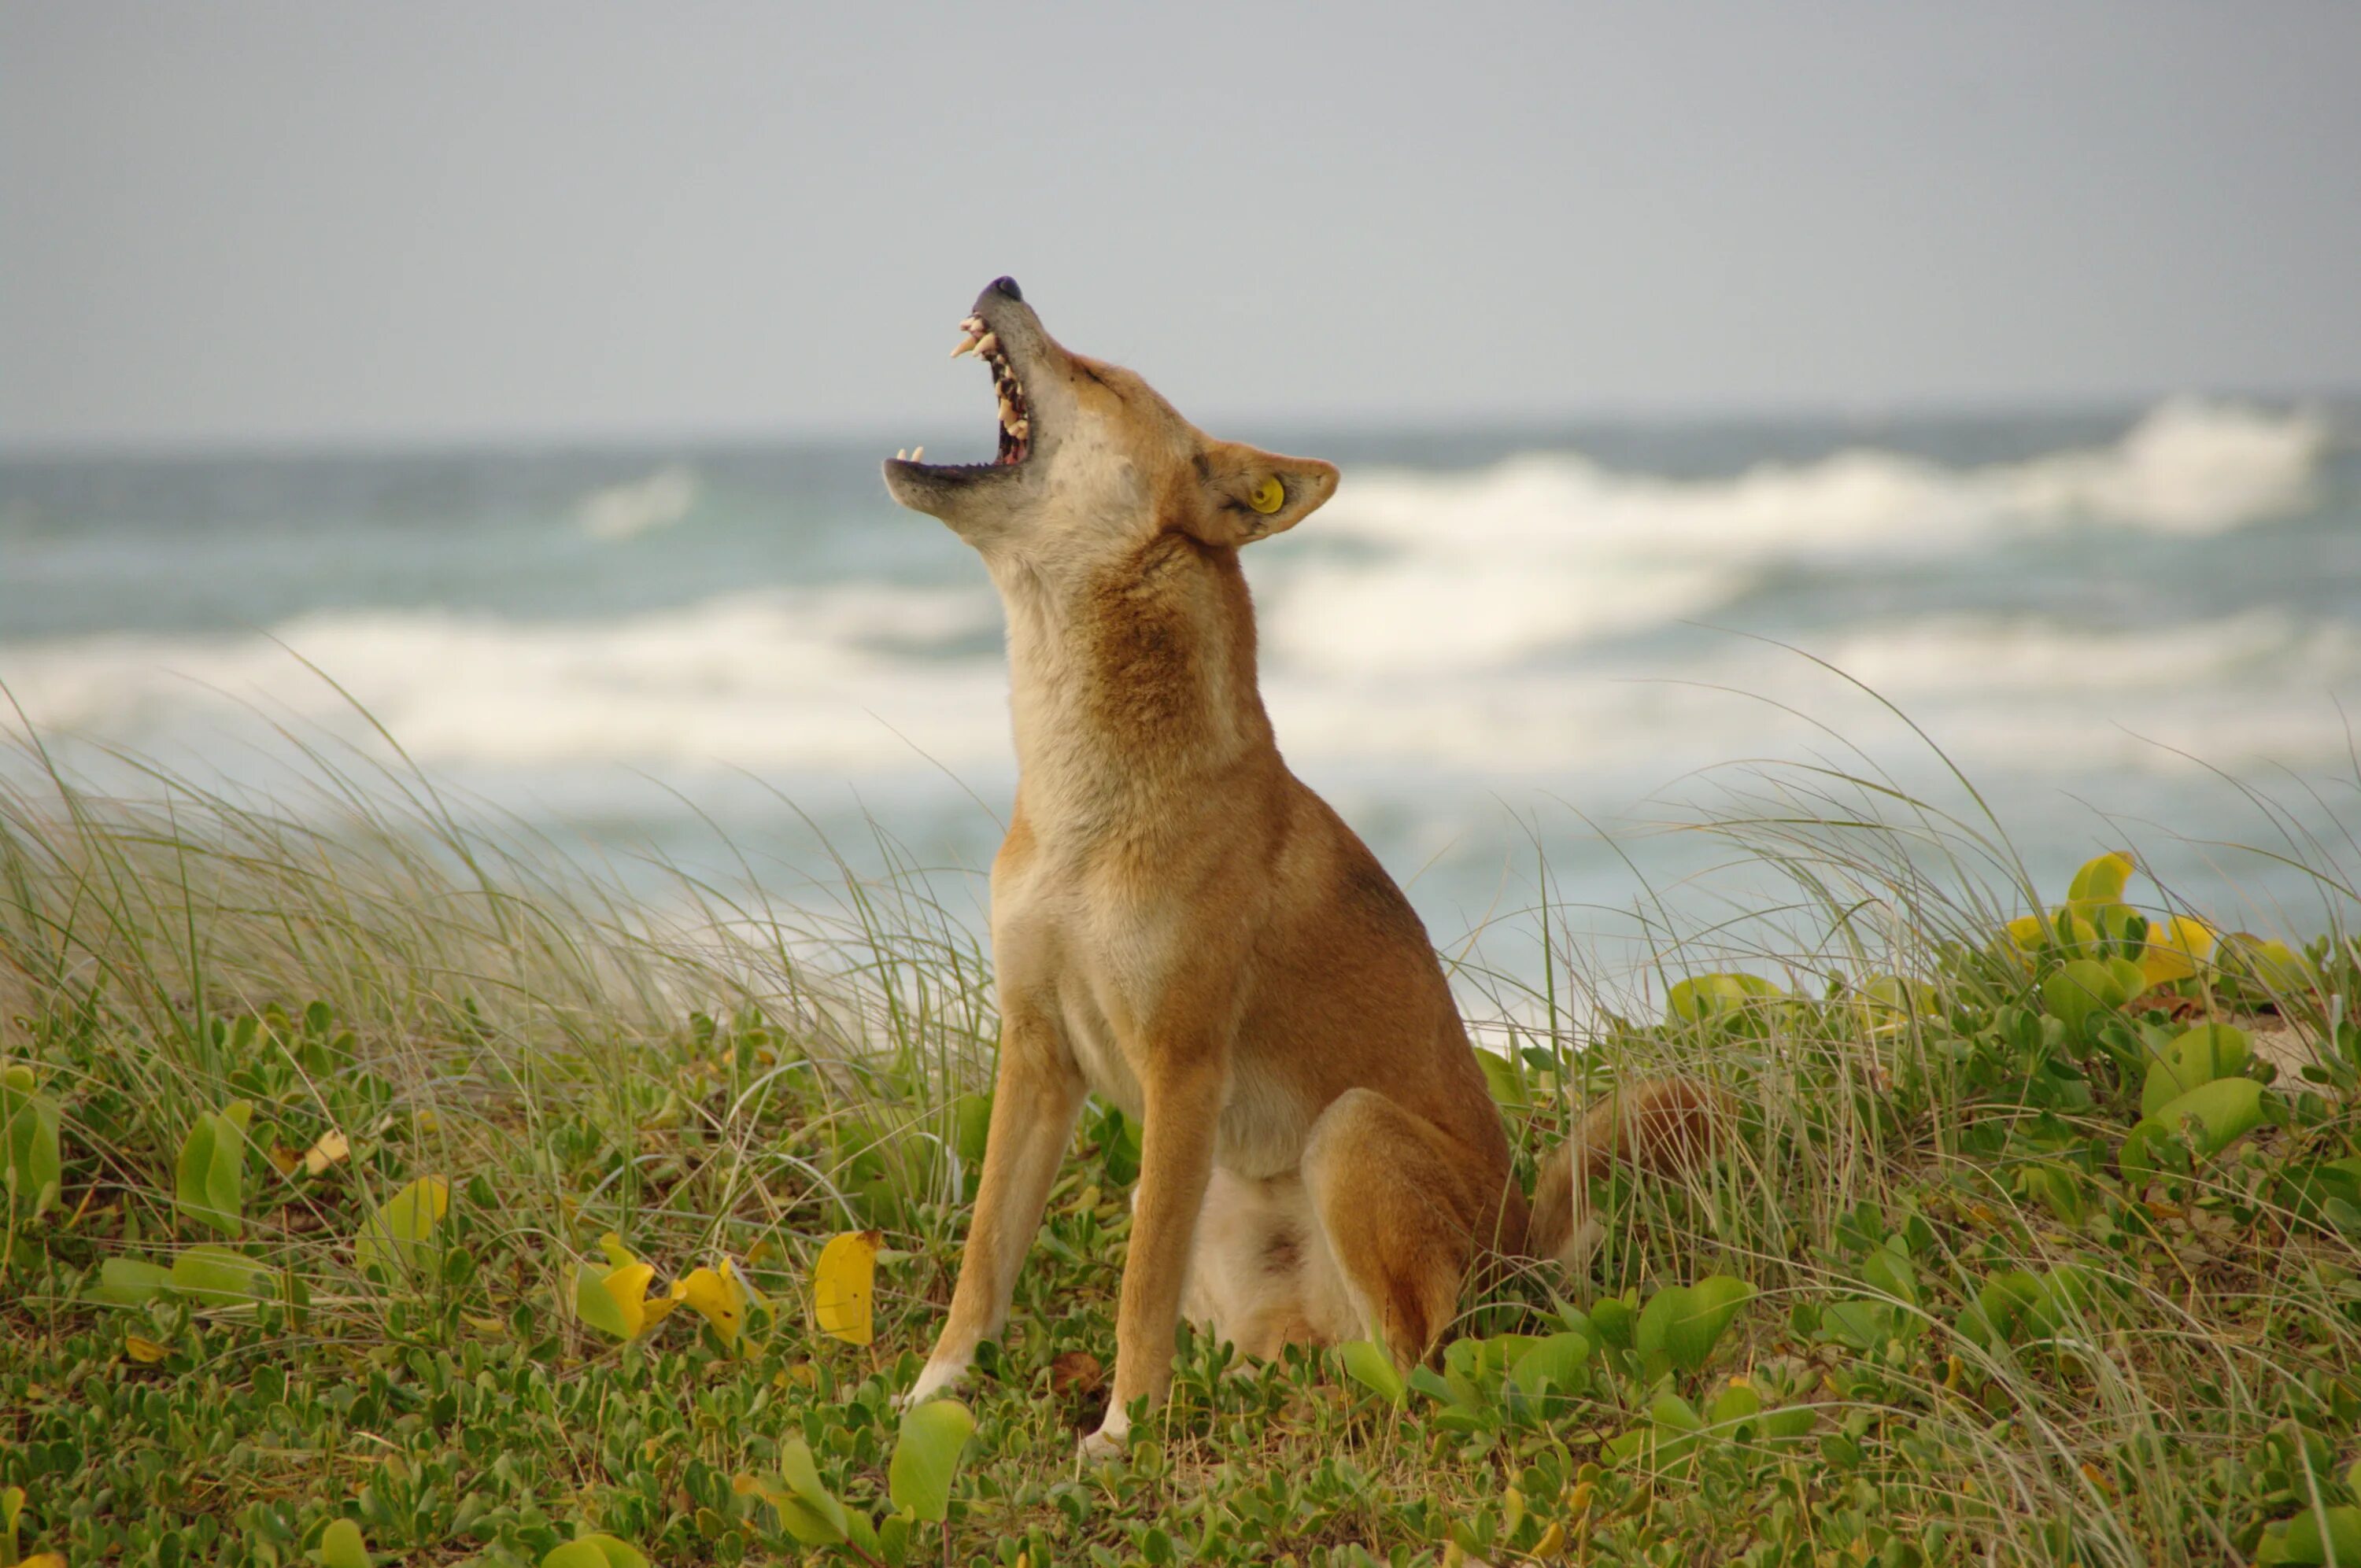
{"x":1470,"y":570}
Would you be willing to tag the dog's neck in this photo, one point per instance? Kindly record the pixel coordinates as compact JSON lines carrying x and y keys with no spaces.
{"x":1132,"y":685}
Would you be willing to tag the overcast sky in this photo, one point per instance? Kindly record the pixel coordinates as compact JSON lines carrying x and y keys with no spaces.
{"x":404,"y":222}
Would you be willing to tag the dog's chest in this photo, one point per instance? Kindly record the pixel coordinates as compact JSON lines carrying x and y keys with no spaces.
{"x":1108,"y":960}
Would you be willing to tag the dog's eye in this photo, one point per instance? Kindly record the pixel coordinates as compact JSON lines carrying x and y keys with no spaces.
{"x":1268,"y":496}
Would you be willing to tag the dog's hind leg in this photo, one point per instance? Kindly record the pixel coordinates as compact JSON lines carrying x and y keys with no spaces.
{"x":1403,"y":1209}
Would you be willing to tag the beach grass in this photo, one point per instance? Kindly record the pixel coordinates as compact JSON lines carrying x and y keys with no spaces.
{"x":338,"y":1124}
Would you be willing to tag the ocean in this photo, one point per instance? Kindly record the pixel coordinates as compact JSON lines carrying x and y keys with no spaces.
{"x":1511,"y":657}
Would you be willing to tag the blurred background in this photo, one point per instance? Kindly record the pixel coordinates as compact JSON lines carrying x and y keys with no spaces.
{"x":507,"y":384}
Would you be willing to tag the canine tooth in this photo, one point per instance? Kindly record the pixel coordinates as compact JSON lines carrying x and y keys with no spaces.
{"x":988,"y":344}
{"x":917,"y":453}
{"x":900,"y":456}
{"x":1007,"y":415}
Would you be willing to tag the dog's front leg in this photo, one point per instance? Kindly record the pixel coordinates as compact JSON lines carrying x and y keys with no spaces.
{"x":1036,"y":1097}
{"x":1184,"y":1092}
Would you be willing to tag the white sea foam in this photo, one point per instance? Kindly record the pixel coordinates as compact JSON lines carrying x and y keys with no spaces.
{"x":856,"y":681}
{"x":785,"y":678}
{"x":1473,"y":570}
{"x":1418,"y":646}
{"x":626,"y":512}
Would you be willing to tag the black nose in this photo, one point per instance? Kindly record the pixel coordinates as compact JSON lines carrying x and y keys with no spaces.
{"x":1007,"y":286}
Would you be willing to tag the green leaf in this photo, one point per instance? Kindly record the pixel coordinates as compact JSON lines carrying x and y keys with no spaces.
{"x":2268,"y":965}
{"x":1862,"y":1324}
{"x":1501,"y":1077}
{"x":1366,"y":1363}
{"x":2129,"y":978}
{"x":1681,"y":1324}
{"x":2223,"y":1109}
{"x":596,"y":1305}
{"x":809,"y":1510}
{"x":918,"y":1477}
{"x":211,"y":1181}
{"x":130,"y":1281}
{"x":399,"y":1231}
{"x":574,"y":1554}
{"x":2062,"y":1298}
{"x":1615,"y":1318}
{"x":1889,"y":1271}
{"x":30,"y":1168}
{"x":2000,"y":1304}
{"x":972,"y":1118}
{"x":341,"y":1546}
{"x":1735,"y":1403}
{"x":595,"y":1552}
{"x":1711,"y":995}
{"x":2081,"y":989}
{"x":216,"y":1277}
{"x":1554,"y":1365}
{"x":2197,"y":1056}
{"x":2311,"y":1537}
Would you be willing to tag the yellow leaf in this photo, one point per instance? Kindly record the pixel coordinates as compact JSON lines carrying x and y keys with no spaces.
{"x":145,"y":1351}
{"x":402,"y":1231}
{"x":44,"y":1560}
{"x":283,"y":1160}
{"x":2176,"y":946}
{"x":332,"y":1150}
{"x":842,"y":1281}
{"x":2101,"y":882}
{"x":627,"y":1285}
{"x":718,"y":1296}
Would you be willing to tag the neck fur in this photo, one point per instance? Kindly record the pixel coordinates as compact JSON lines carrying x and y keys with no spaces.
{"x":1130,"y":683}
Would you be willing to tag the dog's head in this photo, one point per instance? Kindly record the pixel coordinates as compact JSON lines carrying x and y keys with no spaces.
{"x":1093,"y":464}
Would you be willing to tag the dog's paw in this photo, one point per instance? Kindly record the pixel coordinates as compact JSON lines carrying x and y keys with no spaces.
{"x":1109,"y":1442}
{"x":936,"y":1378}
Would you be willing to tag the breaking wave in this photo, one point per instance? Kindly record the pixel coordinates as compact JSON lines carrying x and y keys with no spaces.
{"x":1544,"y":550}
{"x":870,"y":682}
{"x":1485,"y":621}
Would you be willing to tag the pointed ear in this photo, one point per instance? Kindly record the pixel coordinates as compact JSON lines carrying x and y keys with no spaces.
{"x":1247,"y":492}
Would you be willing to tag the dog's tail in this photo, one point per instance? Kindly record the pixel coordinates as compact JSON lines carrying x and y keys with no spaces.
{"x":1662,"y":1127}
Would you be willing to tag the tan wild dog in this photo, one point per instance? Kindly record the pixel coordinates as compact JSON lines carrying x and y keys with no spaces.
{"x":1184,"y":929}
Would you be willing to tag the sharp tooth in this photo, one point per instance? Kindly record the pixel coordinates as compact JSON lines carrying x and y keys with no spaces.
{"x":917,"y":453}
{"x":967,"y":345}
{"x":900,"y":456}
{"x":1021,"y":429}
{"x":988,"y":344}
{"x":1007,"y":415}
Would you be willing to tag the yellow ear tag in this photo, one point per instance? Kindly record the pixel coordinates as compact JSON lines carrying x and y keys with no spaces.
{"x":1268,"y":496}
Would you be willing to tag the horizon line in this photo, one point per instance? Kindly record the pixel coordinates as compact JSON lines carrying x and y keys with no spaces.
{"x":423,"y":443}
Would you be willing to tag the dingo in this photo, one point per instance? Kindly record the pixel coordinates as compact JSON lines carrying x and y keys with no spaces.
{"x":1183,"y":928}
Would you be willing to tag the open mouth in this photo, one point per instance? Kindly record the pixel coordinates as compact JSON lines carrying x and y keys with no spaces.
{"x":1015,"y":428}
